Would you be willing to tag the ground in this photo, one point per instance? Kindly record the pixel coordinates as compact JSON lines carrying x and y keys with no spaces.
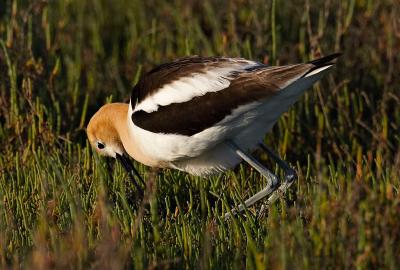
{"x":60,"y":207}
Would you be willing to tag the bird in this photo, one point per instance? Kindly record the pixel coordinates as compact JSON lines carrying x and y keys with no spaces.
{"x":204,"y":116}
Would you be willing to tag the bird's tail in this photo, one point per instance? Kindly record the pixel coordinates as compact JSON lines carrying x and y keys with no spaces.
{"x":321,"y":64}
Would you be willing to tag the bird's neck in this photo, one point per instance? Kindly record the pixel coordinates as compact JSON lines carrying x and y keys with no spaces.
{"x":119,"y":119}
{"x":128,"y":141}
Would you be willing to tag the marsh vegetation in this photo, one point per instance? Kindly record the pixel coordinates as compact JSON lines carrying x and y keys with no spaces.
{"x":59,"y":206}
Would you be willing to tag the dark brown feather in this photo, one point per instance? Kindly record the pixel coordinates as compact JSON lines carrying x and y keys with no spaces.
{"x":173,"y":71}
{"x":202,"y":112}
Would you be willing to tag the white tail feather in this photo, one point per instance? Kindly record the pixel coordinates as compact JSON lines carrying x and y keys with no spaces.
{"x":318,"y":70}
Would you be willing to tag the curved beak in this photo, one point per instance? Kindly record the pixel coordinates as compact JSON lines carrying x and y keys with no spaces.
{"x":132,"y":172}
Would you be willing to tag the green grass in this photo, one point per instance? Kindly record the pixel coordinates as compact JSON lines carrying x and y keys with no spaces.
{"x":59,"y":207}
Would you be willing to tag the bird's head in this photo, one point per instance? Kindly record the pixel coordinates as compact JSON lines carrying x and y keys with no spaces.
{"x":102,"y":130}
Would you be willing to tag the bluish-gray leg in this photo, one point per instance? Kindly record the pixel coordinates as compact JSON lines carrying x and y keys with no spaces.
{"x":272,"y":179}
{"x":290,"y":173}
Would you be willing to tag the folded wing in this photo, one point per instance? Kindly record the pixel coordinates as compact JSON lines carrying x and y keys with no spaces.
{"x":192,"y":94}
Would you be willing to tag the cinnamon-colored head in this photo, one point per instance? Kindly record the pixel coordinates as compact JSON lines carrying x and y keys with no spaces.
{"x":102,"y":129}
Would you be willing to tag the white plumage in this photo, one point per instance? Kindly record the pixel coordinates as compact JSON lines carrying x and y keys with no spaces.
{"x":188,"y":87}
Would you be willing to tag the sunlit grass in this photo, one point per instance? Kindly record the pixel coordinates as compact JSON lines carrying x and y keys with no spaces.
{"x":61,"y":208}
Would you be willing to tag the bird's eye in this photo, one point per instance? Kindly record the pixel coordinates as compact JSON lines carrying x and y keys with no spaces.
{"x":100,"y":145}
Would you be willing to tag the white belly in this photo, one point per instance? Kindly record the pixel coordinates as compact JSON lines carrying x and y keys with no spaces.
{"x":206,"y":153}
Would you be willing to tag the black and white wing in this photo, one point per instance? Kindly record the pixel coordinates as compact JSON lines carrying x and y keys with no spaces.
{"x":192,"y":94}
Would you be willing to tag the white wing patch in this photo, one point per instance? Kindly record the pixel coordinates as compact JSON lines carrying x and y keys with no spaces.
{"x":186,"y":88}
{"x":318,"y":70}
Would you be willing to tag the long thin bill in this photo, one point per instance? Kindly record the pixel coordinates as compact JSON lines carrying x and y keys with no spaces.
{"x":130,"y":169}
